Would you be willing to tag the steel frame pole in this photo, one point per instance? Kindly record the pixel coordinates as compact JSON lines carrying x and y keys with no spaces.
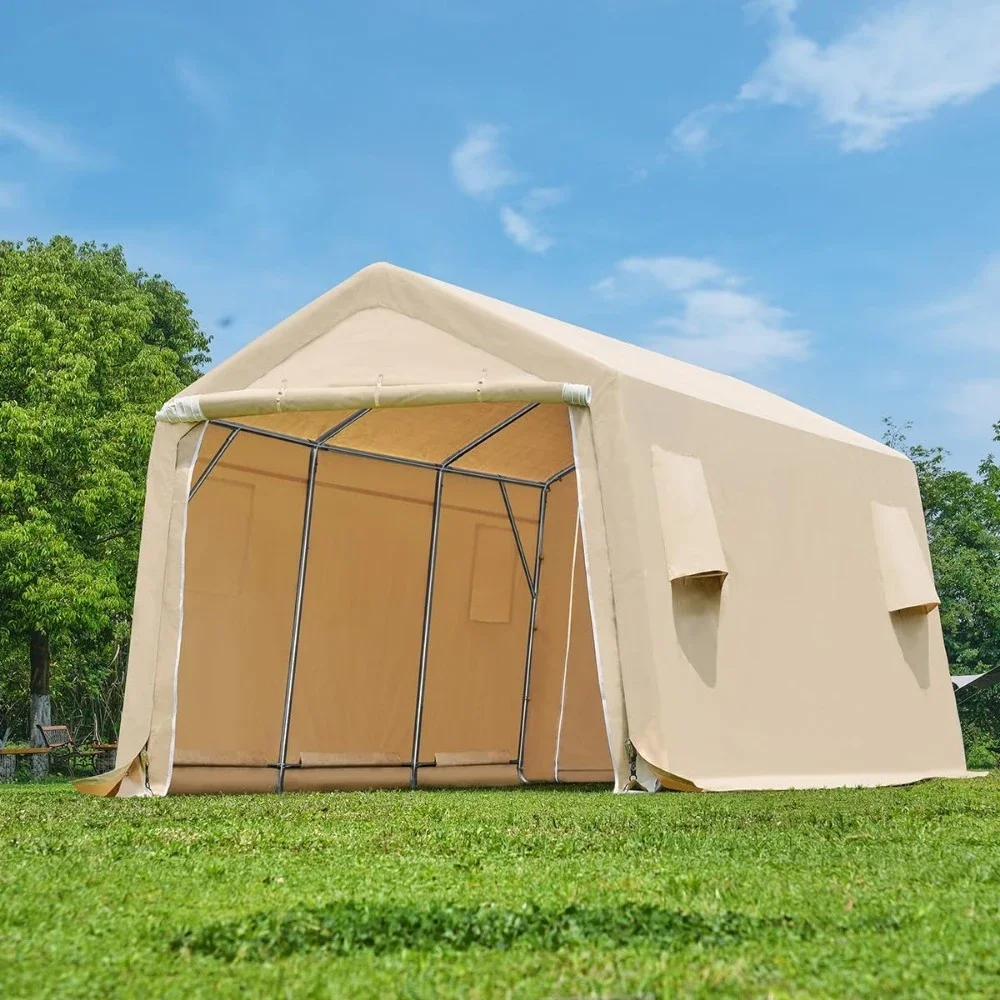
{"x":526,"y":693}
{"x":517,"y":536}
{"x":377,"y":456}
{"x":418,"y":719}
{"x":213,"y":463}
{"x":343,"y":425}
{"x":300,"y":584}
{"x":561,"y":474}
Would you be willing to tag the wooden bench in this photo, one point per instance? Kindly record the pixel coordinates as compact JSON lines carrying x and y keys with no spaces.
{"x":59,"y":740}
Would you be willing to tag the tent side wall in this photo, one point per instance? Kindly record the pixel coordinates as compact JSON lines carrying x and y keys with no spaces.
{"x":793,"y":670}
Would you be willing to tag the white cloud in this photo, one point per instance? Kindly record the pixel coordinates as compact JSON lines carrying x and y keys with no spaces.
{"x":976,"y":404}
{"x":693,"y":133}
{"x":522,"y":224}
{"x":972,"y":318}
{"x":713,"y":322}
{"x":522,"y":231}
{"x":731,"y":331}
{"x":540,"y":198}
{"x":204,"y":92}
{"x":479,"y":164}
{"x":10,"y":193}
{"x":897,"y":66}
{"x":46,"y":141}
{"x":676,"y":274}
{"x":481,"y":167}
{"x":780,"y":10}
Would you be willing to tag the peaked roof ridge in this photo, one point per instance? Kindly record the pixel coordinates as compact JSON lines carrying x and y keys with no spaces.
{"x":514,"y":334}
{"x":664,"y":371}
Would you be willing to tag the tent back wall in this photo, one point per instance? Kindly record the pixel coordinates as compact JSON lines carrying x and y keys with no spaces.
{"x":352,"y":715}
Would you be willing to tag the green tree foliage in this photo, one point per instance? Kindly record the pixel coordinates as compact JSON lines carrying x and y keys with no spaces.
{"x":88,"y":351}
{"x":963,"y":528}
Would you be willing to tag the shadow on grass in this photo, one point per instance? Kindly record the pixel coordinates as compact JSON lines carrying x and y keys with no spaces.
{"x":346,"y":927}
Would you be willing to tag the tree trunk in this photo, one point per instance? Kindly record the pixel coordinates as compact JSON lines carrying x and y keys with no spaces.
{"x":41,"y":702}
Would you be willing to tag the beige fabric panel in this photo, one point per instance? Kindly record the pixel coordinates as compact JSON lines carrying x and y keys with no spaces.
{"x":362,"y":616}
{"x":428,"y":434}
{"x":602,"y":776}
{"x":213,"y":440}
{"x":161,"y":730}
{"x":333,"y":779}
{"x":536,"y":446}
{"x":244,"y":535}
{"x":794,"y":668}
{"x":601,"y":500}
{"x":221,"y":780}
{"x":550,"y":631}
{"x":471,"y":776}
{"x":380,"y":343}
{"x":479,"y":621}
{"x":308,"y":424}
{"x":906,"y":572}
{"x":221,"y":758}
{"x":155,"y":553}
{"x":583,"y":740}
{"x":687,"y":522}
{"x":350,"y":759}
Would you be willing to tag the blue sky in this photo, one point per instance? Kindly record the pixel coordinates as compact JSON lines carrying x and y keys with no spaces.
{"x":804,"y":194}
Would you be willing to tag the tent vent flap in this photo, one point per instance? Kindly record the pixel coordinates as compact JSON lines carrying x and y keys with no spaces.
{"x":687,"y":519}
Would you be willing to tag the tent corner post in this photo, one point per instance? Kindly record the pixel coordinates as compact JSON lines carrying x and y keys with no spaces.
{"x":418,"y":718}
{"x":293,"y":651}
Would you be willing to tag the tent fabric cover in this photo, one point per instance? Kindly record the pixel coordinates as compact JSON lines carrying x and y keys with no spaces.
{"x":790,"y":670}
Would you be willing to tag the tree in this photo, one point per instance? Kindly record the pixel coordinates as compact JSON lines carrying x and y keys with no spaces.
{"x":88,"y":351}
{"x":963,"y":528}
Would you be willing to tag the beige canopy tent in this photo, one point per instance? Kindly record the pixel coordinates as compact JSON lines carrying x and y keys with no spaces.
{"x":417,"y":537}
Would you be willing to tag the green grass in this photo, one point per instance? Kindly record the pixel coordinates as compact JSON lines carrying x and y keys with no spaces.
{"x":530,"y":893}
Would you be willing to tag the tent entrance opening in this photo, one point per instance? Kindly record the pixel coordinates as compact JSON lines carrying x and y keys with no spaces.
{"x":385,"y":598}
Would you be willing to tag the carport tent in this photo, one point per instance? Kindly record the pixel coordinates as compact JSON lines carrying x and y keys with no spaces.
{"x":725,"y":585}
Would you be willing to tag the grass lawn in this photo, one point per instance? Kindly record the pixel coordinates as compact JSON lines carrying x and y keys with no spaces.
{"x":522,"y":893}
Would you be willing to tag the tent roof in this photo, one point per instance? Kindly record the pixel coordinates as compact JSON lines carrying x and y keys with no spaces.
{"x":485,"y":329}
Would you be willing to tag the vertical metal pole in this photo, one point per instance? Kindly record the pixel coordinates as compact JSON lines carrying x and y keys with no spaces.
{"x":300,"y":585}
{"x":418,"y":719}
{"x":542,"y":501}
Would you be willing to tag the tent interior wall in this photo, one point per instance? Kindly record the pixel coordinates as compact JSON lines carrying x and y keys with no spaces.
{"x":410,"y":605}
